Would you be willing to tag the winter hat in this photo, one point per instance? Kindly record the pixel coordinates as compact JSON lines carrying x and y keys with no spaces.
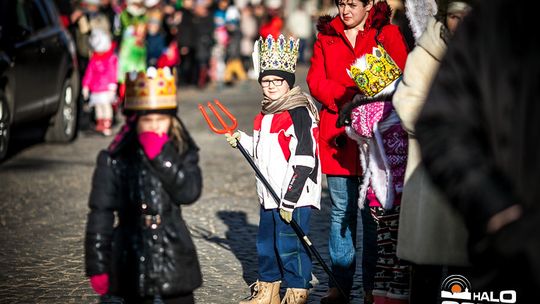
{"x":153,"y":91}
{"x":458,"y":7}
{"x":151,"y":3}
{"x":100,"y":41}
{"x":92,"y":2}
{"x":136,"y":7}
{"x":289,"y":77}
{"x":273,"y":4}
{"x":276,"y":57}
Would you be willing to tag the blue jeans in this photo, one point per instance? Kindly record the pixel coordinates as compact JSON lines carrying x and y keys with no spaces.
{"x":343,"y":230}
{"x":282,"y":255}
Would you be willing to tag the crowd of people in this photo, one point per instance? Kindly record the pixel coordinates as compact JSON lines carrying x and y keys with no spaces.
{"x":208,"y":42}
{"x":407,"y":136}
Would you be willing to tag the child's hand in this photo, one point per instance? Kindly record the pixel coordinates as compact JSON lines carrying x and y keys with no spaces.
{"x":100,"y":283}
{"x":85,"y":93}
{"x":233,"y":139}
{"x":112,"y":87}
{"x":285,"y":215}
{"x":152,"y":143}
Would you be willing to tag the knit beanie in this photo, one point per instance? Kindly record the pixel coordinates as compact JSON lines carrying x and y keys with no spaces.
{"x":289,"y":77}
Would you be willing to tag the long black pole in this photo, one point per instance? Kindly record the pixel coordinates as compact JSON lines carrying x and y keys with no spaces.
{"x":299,"y":232}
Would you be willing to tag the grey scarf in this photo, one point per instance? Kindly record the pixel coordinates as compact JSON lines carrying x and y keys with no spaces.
{"x":293,"y":99}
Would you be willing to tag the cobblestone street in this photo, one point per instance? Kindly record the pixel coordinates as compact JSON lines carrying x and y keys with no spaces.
{"x":43,"y":197}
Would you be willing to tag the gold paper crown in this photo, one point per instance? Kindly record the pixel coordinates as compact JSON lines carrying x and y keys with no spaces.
{"x":277,"y":54}
{"x":373,"y":73}
{"x":153,"y":90}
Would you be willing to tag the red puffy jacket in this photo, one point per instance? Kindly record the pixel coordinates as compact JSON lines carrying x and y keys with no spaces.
{"x":330,"y":84}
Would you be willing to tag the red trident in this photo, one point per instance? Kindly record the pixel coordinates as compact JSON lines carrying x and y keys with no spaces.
{"x":226,"y":128}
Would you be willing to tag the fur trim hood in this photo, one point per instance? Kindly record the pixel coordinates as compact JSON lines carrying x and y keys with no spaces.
{"x":378,"y":17}
{"x":324,"y":26}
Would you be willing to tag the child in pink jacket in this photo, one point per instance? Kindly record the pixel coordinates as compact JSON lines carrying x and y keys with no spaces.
{"x":100,"y":80}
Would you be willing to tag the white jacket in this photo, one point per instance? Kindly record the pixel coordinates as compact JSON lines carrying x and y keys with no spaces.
{"x":284,"y":148}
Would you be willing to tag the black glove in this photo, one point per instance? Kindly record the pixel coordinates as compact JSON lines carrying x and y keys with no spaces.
{"x":344,"y":118}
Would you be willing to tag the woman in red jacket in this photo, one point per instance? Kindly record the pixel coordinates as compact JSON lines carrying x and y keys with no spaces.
{"x":341,"y":40}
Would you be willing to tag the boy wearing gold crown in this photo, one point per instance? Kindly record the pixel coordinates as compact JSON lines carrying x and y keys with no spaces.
{"x":284,"y":147}
{"x":137,"y":245}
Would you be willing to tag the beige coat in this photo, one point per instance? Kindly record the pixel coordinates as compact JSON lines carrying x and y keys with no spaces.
{"x":430,"y":231}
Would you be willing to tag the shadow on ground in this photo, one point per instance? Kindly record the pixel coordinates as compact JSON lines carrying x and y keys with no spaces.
{"x":240,"y":238}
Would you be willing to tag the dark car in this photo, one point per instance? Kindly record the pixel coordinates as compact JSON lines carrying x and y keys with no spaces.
{"x":39,"y":77}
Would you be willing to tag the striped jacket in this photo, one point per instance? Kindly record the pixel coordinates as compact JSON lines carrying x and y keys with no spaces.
{"x":284,"y":147}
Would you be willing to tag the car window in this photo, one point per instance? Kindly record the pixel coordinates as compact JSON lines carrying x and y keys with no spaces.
{"x":23,"y":19}
{"x":41,"y":6}
{"x":31,"y":15}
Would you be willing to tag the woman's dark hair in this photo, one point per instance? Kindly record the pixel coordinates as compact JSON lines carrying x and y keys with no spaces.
{"x":363,"y":1}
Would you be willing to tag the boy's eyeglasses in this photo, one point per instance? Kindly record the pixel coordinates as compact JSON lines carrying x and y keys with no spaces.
{"x":275,"y":82}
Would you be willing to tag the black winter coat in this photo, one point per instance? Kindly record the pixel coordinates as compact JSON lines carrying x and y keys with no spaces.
{"x":149,"y":251}
{"x":186,"y":30}
{"x":204,"y":33}
{"x":479,"y":132}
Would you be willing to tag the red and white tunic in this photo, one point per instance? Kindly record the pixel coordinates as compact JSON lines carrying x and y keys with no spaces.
{"x":284,"y":147}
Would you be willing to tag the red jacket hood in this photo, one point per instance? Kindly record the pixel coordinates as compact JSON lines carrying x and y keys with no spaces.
{"x":378,"y":17}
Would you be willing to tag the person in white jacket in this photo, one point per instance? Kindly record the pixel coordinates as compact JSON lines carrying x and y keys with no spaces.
{"x":432,"y":235}
{"x":284,"y":148}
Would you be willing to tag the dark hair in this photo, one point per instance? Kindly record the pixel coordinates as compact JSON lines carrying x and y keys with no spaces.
{"x":363,"y":1}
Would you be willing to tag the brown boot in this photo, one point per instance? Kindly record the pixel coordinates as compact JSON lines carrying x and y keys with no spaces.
{"x":264,"y":293}
{"x":334,"y":297}
{"x":295,"y":296}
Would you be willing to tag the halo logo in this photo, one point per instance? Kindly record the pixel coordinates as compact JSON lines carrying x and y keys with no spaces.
{"x":456,"y":289}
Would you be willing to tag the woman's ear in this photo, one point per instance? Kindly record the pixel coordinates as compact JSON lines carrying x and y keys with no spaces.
{"x":370,"y":4}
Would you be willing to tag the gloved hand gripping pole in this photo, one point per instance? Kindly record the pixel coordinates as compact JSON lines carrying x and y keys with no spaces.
{"x":225,"y":128}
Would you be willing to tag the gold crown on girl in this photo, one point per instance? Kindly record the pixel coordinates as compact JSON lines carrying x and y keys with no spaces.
{"x":153,"y":90}
{"x":280,"y":54}
{"x":375,"y":73}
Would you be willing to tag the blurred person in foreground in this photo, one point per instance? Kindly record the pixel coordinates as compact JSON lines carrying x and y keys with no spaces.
{"x":137,"y":245}
{"x":478,"y":134}
{"x":432,"y":235}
